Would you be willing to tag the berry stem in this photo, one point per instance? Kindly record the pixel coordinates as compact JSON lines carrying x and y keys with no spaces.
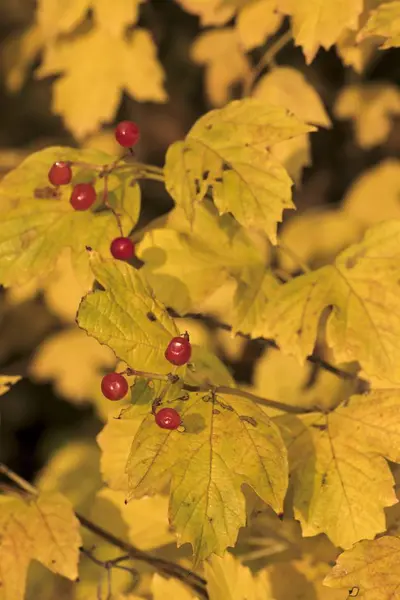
{"x":197,"y":583}
{"x":108,"y":205}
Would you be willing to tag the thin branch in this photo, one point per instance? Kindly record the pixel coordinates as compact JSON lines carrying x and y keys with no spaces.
{"x":197,"y":583}
{"x":266,"y":60}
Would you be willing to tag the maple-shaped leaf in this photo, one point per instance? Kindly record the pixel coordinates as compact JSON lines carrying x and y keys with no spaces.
{"x":362,"y":289}
{"x":372,"y":107}
{"x":225,"y":62}
{"x":211,"y":12}
{"x":122,"y":64}
{"x":228,"y":150}
{"x":207,"y":506}
{"x":44,"y":529}
{"x":370,"y":570}
{"x":117,"y":15}
{"x":43,"y":224}
{"x":256,"y":21}
{"x":374,"y":196}
{"x":7,"y":381}
{"x":182,"y":266}
{"x":55,"y":18}
{"x":340,"y":477}
{"x":320,"y":23}
{"x":127,"y":317}
{"x":228,"y":579}
{"x":384,"y":22}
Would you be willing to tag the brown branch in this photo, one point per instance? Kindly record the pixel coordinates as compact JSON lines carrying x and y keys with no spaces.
{"x":197,"y":583}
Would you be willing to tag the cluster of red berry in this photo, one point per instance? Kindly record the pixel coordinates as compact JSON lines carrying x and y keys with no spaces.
{"x":84,"y":195}
{"x":114,"y":385}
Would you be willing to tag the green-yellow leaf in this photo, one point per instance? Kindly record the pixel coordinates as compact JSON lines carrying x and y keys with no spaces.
{"x":43,"y":529}
{"x":206,"y":470}
{"x":127,"y":317}
{"x":372,"y":107}
{"x":7,"y":381}
{"x":228,"y":150}
{"x":122,"y":64}
{"x":340,"y":477}
{"x":370,"y":570}
{"x":362,"y":287}
{"x":256,"y":22}
{"x":384,"y":22}
{"x":320,"y":23}
{"x":165,"y":589}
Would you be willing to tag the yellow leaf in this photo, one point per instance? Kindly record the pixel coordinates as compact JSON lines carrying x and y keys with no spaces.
{"x":255,"y":287}
{"x":115,"y":16}
{"x":384,"y":22}
{"x":228,"y":579}
{"x":371,"y":106}
{"x":211,"y":12}
{"x":370,"y":570}
{"x":19,"y":52}
{"x":317,"y":236}
{"x":146,"y":519}
{"x":340,"y":477}
{"x":7,"y":381}
{"x":226,"y":150}
{"x":320,"y":23}
{"x":226,"y":64}
{"x":170,"y":589}
{"x":121,"y":64}
{"x":43,"y":529}
{"x":207,"y":506}
{"x":256,"y":22}
{"x":55,"y":16}
{"x":71,"y":351}
{"x":63,"y":473}
{"x":362,"y":287}
{"x":374,"y":196}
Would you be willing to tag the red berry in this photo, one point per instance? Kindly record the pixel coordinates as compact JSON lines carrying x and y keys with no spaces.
{"x":168,"y":418}
{"x":83,"y":196}
{"x":127,"y":134}
{"x":114,"y":386}
{"x":60,"y":173}
{"x":179,"y":350}
{"x":122,"y":248}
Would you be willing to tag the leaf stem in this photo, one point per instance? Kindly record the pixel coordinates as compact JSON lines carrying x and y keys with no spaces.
{"x":197,"y":583}
{"x":266,"y":60}
{"x":305,"y":268}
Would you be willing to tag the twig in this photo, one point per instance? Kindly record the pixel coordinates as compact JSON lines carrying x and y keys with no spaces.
{"x":266,"y":60}
{"x":171,"y":569}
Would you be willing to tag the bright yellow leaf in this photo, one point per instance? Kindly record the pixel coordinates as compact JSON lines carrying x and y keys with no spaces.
{"x":362,"y":287}
{"x":18,"y":53}
{"x":207,"y":506}
{"x":320,"y":23}
{"x":384,"y":22}
{"x":71,"y":351}
{"x":228,"y":579}
{"x":256,"y":22}
{"x":374,"y":196}
{"x":121,"y":64}
{"x":371,"y":107}
{"x":170,"y":589}
{"x":370,"y":570}
{"x":228,"y":150}
{"x":55,"y":16}
{"x":115,"y":16}
{"x":43,"y":529}
{"x":7,"y":381}
{"x":211,"y":12}
{"x":340,"y":477}
{"x":226,"y":64}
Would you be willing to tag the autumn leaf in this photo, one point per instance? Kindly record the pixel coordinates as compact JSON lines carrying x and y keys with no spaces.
{"x":211,"y":12}
{"x":362,"y":289}
{"x":7,"y":381}
{"x":122,"y":64}
{"x":117,"y":15}
{"x":384,"y":22}
{"x":369,"y":570}
{"x":228,"y":579}
{"x":55,"y":18}
{"x":37,"y":231}
{"x":225,"y":62}
{"x":226,"y":150}
{"x":43,"y":529}
{"x":372,"y":108}
{"x":206,"y":471}
{"x":340,"y":477}
{"x":162,"y":589}
{"x":320,"y":23}
{"x":18,"y":54}
{"x":256,"y":22}
{"x":127,"y":317}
